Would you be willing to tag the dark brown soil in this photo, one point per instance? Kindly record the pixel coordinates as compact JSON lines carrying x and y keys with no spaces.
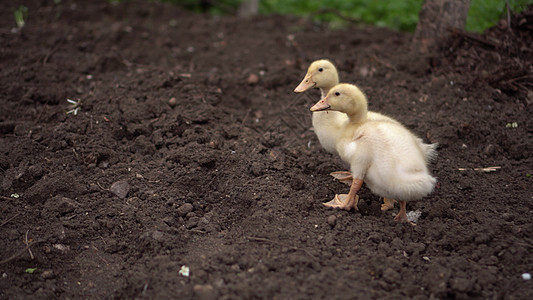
{"x":230,"y":181}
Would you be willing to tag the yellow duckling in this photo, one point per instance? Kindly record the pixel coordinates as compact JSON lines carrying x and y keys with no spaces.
{"x":322,"y":74}
{"x":383,"y":153}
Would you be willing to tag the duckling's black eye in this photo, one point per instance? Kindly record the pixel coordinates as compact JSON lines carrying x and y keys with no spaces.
{"x":320,"y":69}
{"x":337,"y":94}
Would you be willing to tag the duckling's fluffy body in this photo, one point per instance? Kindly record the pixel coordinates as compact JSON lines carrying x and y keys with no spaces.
{"x":388,"y":157}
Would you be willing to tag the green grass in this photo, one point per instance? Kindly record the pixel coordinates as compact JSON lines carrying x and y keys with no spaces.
{"x":395,"y":14}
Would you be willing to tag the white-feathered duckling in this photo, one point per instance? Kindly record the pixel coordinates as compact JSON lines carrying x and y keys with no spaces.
{"x":383,"y":153}
{"x":323,"y":75}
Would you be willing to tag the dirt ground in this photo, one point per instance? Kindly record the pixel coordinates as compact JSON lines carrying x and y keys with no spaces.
{"x":189,"y":148}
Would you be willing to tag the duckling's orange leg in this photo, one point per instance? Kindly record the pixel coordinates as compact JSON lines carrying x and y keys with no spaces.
{"x":401,"y":217}
{"x":349,"y":201}
{"x":387,"y":204}
{"x":346,"y":178}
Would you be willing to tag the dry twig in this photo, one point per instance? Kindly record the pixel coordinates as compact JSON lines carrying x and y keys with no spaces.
{"x":8,"y":220}
{"x":486,"y":169}
{"x":14,"y":256}
{"x":28,"y":244}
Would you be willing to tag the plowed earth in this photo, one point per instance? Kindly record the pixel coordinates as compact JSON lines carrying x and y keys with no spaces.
{"x":229,"y":179}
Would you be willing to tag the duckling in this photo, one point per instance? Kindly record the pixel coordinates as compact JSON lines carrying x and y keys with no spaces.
{"x":322,"y":74}
{"x":386,"y":155}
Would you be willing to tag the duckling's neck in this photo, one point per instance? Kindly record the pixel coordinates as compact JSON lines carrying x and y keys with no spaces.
{"x":324,"y":92}
{"x":358,"y":117}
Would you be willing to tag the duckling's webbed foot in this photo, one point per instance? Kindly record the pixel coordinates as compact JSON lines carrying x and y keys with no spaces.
{"x":401,"y":217}
{"x":387,"y":204}
{"x":346,"y":178}
{"x":349,"y":201}
{"x":343,"y":201}
{"x":343,"y":176}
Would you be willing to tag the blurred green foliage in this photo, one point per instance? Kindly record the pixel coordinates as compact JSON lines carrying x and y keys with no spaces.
{"x":486,"y":13}
{"x":395,"y":14}
{"x":21,"y":14}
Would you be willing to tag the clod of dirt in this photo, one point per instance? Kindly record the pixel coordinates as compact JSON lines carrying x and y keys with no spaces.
{"x":391,"y":276}
{"x":169,"y":220}
{"x":52,"y":184}
{"x":256,"y":168}
{"x":59,"y":205}
{"x":332,"y":220}
{"x":193,"y":222}
{"x":205,"y":292}
{"x":461,"y":284}
{"x":120,"y":188}
{"x":143,"y":145}
{"x":157,"y":137}
{"x":158,"y":236}
{"x":9,"y":177}
{"x":185,"y":209}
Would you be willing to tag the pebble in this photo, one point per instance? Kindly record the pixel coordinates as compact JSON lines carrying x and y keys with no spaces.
{"x":252,"y":79}
{"x":332,"y":220}
{"x":184,"y":271}
{"x":61,"y":247}
{"x":214,"y":145}
{"x":47,"y":274}
{"x":526,"y":276}
{"x":120,"y":188}
{"x":172,"y":102}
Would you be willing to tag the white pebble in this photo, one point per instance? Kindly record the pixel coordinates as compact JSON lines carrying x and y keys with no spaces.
{"x":184,"y":271}
{"x":526,"y":276}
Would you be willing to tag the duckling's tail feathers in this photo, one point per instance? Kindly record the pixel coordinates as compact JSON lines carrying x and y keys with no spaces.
{"x":417,"y":188}
{"x":431,"y":151}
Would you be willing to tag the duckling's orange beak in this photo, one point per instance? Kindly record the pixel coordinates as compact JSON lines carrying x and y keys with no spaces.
{"x":306,"y":84}
{"x":321,"y":105}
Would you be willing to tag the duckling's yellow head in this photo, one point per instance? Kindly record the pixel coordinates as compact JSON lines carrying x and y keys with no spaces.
{"x":320,"y":74}
{"x":344,"y":97}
